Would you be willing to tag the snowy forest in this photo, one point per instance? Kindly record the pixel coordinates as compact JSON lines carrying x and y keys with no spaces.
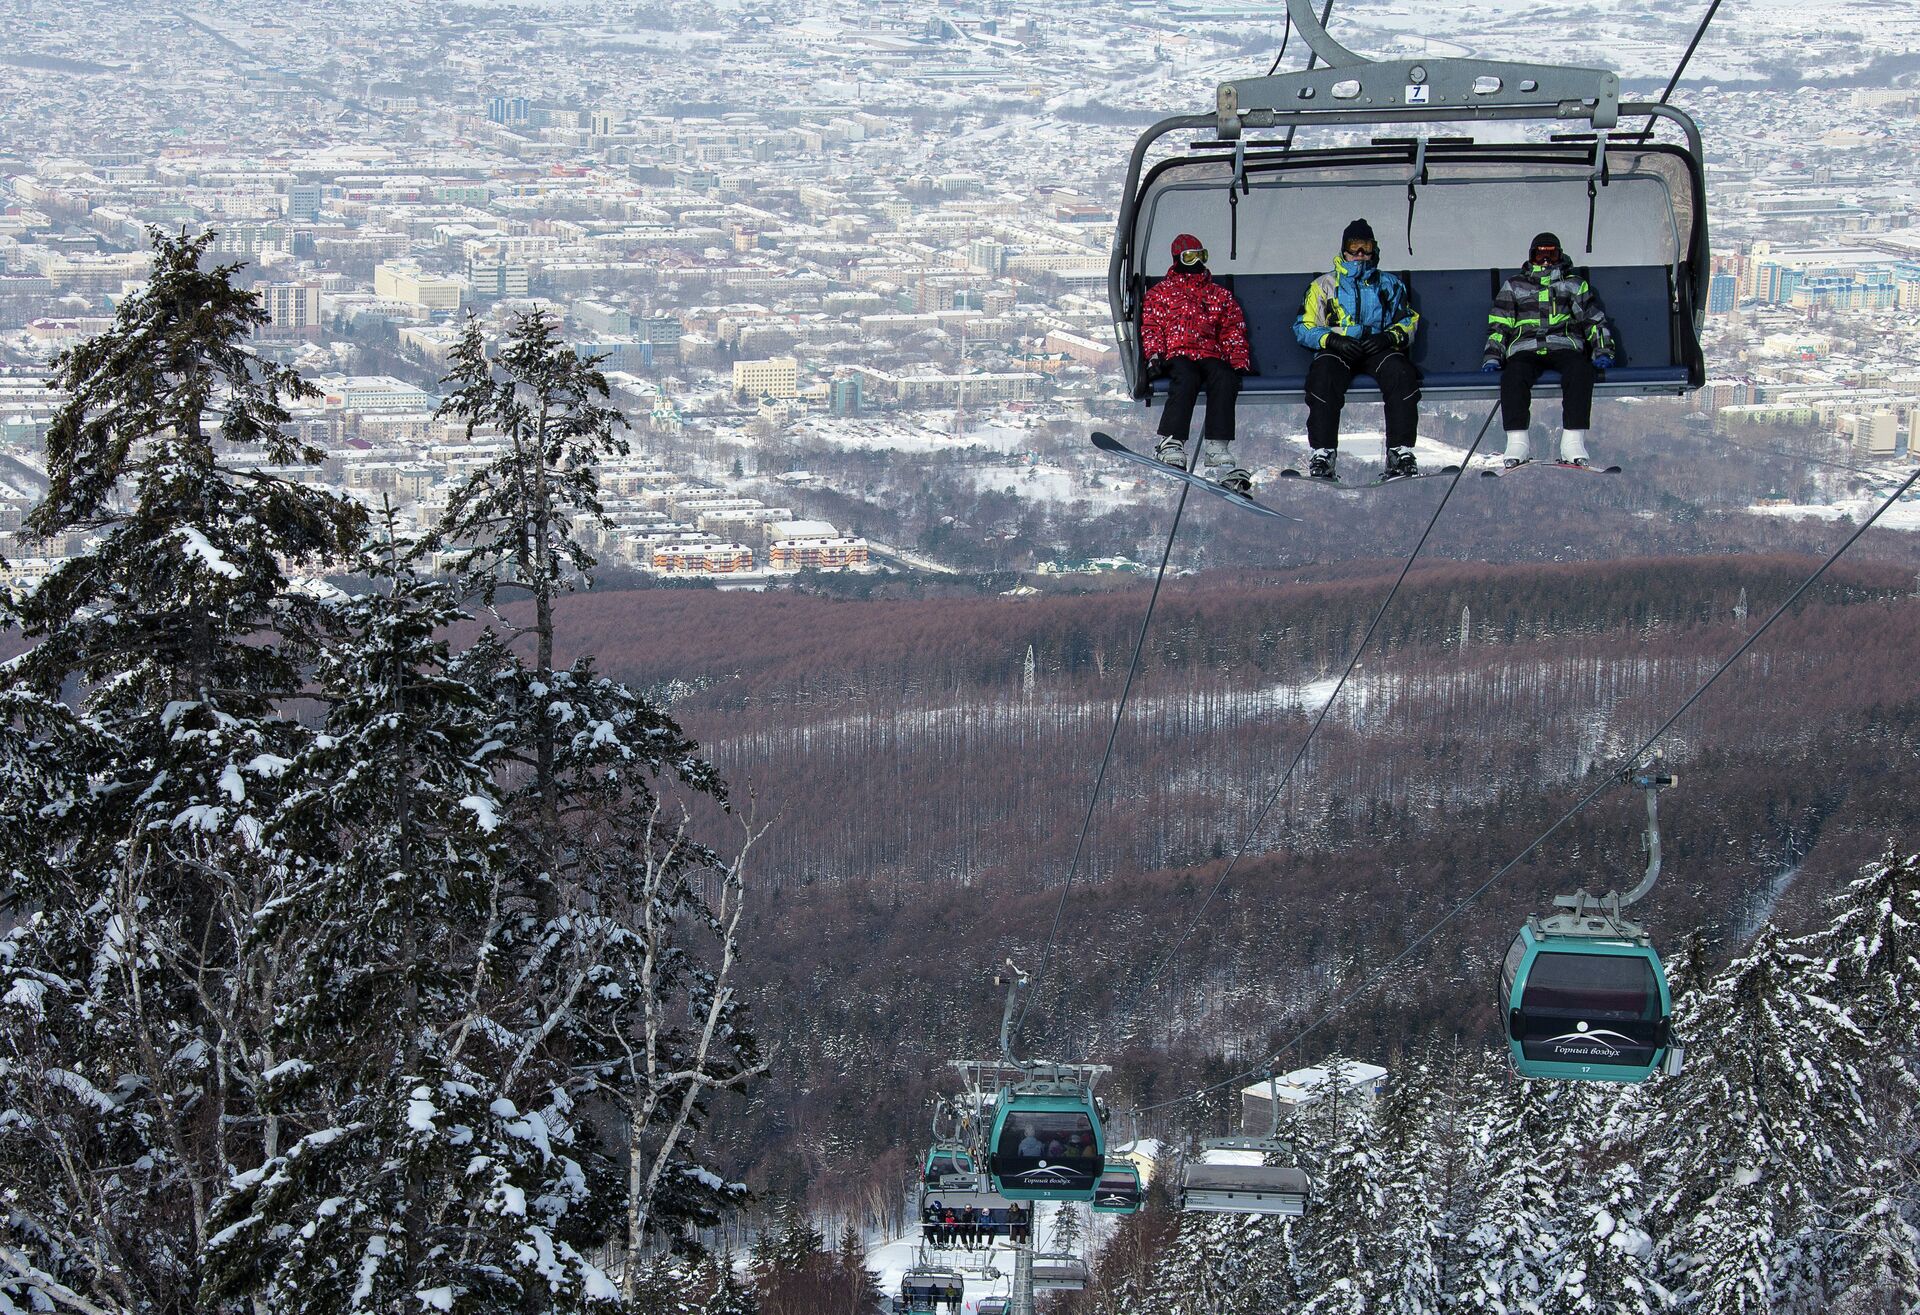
{"x":374,"y":943}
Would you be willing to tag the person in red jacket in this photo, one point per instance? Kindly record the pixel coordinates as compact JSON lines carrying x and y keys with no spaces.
{"x":1193,"y":331}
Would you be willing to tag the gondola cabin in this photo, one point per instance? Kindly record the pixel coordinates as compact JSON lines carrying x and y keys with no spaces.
{"x":1586,"y":1006}
{"x":1046,"y":1147}
{"x":1118,"y":1191}
{"x":944,"y":1163}
{"x":994,"y":1306}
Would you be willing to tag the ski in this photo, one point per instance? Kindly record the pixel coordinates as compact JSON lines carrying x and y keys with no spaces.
{"x":1495,"y":472}
{"x":1339,"y":487}
{"x":1108,"y":443}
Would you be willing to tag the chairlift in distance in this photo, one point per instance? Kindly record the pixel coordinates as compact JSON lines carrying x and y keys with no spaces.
{"x":926,"y":1287}
{"x":1247,"y":1189}
{"x":946,"y":1162}
{"x":948,"y":1159}
{"x":1059,"y":1271}
{"x":1452,"y":215}
{"x":1584,"y":993}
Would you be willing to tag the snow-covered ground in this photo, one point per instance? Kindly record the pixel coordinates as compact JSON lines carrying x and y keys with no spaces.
{"x":1903,"y":515}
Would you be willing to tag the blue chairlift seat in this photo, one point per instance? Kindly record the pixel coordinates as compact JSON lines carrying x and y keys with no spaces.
{"x":1638,"y":302}
{"x":926,"y":1288}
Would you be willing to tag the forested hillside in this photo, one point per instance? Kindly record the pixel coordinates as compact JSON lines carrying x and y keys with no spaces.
{"x":925,"y":766}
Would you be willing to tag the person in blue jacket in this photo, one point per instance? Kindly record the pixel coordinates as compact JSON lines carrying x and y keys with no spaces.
{"x":1356,"y":320}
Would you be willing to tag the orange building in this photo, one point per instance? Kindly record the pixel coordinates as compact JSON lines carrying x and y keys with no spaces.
{"x":819,"y":554}
{"x":702,"y":558}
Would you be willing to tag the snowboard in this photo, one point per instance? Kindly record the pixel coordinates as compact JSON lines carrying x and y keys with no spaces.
{"x":1108,"y":443}
{"x":1495,"y":472}
{"x":1339,"y":487}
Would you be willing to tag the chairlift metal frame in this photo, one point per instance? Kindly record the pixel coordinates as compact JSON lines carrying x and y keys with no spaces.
{"x":1350,"y":90}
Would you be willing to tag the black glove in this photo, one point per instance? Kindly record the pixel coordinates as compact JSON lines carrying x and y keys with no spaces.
{"x":1156,"y":367}
{"x":1375,"y":343}
{"x":1351,"y":351}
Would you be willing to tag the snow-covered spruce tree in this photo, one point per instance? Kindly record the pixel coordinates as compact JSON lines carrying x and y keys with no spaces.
{"x":859,"y":1291}
{"x":1602,"y":1267}
{"x":1341,"y":1256}
{"x":1407,"y":1248}
{"x":618,"y":930}
{"x":400,"y":1166}
{"x":1199,"y":1272}
{"x":1764,"y":1128}
{"x":1069,"y":1227}
{"x":1501,"y":1261}
{"x":134,"y":1089}
{"x":1871,"y":950}
{"x":513,"y":524}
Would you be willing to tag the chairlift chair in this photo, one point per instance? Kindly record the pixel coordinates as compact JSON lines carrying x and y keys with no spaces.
{"x":1452,"y":215}
{"x":1243,"y":1189}
{"x":1059,"y":1272}
{"x":926,"y":1288}
{"x":1247,"y":1189}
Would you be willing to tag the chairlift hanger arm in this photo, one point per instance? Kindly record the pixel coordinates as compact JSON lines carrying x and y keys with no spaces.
{"x":1651,"y":783}
{"x":1015,"y":981}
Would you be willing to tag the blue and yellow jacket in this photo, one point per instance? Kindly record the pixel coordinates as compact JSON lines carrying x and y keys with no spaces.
{"x":1355,"y":304}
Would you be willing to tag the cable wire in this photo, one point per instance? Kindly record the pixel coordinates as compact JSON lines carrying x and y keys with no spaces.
{"x":1613,"y":778}
{"x":1300,"y":754}
{"x":1681,"y":67}
{"x":1093,"y":800}
{"x":1286,"y":35}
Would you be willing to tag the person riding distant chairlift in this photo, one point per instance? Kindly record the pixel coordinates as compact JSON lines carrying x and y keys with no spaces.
{"x":1547,"y":317}
{"x":1357,"y":320}
{"x":1030,"y":1145}
{"x":1194,"y":332}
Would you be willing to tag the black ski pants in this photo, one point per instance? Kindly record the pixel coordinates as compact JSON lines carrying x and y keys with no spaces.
{"x":1522,"y":371}
{"x":1328,"y":379}
{"x":1185,"y":379}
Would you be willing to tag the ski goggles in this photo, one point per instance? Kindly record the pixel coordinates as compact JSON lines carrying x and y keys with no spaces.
{"x":1361,"y":252}
{"x":1194,"y":256}
{"x":1544,"y":255}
